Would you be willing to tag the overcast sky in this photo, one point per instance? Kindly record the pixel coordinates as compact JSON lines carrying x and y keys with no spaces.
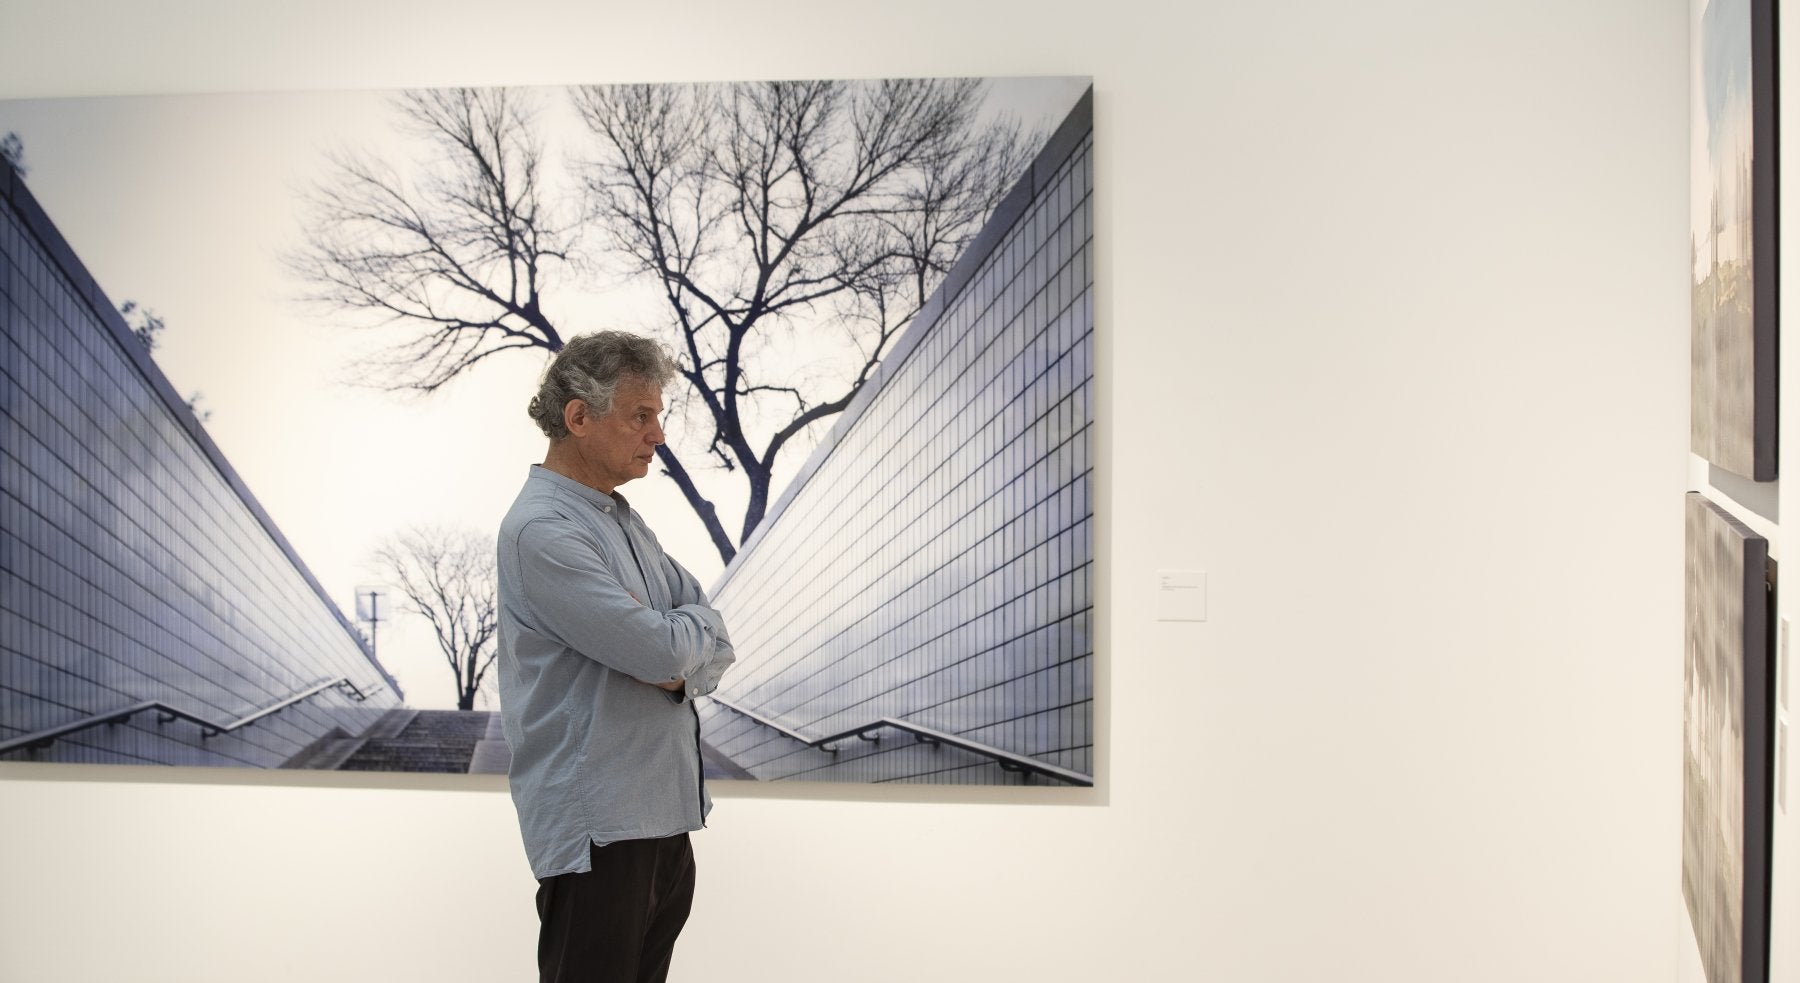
{"x":185,"y":205}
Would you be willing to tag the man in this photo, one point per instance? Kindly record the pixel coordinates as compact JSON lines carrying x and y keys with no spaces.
{"x":604,"y":643}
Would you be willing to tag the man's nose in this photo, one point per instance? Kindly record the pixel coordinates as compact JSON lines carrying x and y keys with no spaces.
{"x":655,"y":435}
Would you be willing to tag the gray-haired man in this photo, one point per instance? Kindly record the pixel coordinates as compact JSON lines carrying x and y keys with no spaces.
{"x":604,"y":641}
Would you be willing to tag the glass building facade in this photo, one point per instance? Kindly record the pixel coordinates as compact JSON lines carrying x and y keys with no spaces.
{"x":134,"y":564}
{"x":932,"y":564}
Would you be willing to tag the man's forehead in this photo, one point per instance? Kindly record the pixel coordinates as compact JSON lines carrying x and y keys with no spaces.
{"x":638,"y":393}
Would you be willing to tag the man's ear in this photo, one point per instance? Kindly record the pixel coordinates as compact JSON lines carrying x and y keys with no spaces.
{"x":576,"y":416}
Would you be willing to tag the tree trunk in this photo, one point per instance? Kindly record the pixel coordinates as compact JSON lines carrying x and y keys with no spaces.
{"x":709,"y":515}
{"x":759,"y":500}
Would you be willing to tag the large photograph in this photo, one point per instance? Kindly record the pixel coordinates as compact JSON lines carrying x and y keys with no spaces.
{"x":266,"y":361}
{"x":1732,"y":166}
{"x":1726,"y":770}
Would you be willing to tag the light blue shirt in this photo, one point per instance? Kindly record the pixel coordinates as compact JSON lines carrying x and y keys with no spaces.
{"x":592,"y":615}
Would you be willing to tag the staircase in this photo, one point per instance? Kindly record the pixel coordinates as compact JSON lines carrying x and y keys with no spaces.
{"x":421,"y":740}
{"x":452,"y":741}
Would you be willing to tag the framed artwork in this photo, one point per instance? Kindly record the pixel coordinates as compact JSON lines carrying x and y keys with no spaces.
{"x":263,"y":407}
{"x":1726,"y":768}
{"x":1733,"y":222}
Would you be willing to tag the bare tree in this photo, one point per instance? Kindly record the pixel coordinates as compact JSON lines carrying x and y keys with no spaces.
{"x":460,"y":253}
{"x":12,"y":151}
{"x":776,"y":221}
{"x":145,"y":324}
{"x":764,"y":209}
{"x":147,"y":327}
{"x":446,"y":576}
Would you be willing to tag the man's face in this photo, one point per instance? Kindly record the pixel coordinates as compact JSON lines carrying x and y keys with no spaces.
{"x":620,"y":445}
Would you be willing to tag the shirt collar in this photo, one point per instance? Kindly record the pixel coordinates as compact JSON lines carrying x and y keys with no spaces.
{"x":595,"y":496}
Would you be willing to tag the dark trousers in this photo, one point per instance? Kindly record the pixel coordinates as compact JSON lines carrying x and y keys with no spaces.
{"x":616,"y":923}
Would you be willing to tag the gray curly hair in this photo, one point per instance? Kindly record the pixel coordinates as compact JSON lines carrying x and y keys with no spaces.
{"x":589,"y":368}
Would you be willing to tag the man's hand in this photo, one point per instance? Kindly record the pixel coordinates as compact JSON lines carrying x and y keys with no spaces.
{"x":673,"y":686}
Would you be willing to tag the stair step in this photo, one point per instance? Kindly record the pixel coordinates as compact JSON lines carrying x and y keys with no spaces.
{"x":391,"y":723}
{"x":441,"y":741}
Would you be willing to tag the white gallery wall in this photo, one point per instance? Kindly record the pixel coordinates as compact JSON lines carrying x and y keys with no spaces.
{"x":1392,"y":335}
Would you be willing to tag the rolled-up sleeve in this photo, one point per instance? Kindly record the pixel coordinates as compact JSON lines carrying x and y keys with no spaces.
{"x":687,"y":591}
{"x":575,"y":598}
{"x":706,"y":679}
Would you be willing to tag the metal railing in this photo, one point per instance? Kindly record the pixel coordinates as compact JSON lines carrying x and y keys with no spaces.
{"x":1007,"y":760}
{"x":168,"y":714}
